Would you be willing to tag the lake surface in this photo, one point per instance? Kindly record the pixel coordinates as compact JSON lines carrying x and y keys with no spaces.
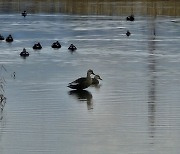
{"x":134,"y":110}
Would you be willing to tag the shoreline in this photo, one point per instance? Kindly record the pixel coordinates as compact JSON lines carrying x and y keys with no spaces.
{"x":94,"y":7}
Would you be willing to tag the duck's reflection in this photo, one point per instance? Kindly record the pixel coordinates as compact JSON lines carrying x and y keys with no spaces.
{"x":84,"y":96}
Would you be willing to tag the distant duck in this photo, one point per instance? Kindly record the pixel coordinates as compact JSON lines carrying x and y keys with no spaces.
{"x":95,"y":80}
{"x":24,"y":13}
{"x":1,"y":37}
{"x":24,"y":53}
{"x":56,"y":45}
{"x":37,"y":46}
{"x":83,"y":82}
{"x":72,"y":47}
{"x":128,"y":33}
{"x":130,"y":18}
{"x":9,"y":39}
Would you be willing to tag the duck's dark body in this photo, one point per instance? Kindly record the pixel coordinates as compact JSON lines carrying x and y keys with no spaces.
{"x":95,"y":81}
{"x":56,"y":45}
{"x":24,"y":14}
{"x":72,"y":47}
{"x":9,"y":39}
{"x":24,"y":53}
{"x":82,"y":83}
{"x":128,"y":33}
{"x":130,"y":18}
{"x":1,"y":37}
{"x":37,"y":46}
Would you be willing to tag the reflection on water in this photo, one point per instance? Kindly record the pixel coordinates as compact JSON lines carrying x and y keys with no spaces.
{"x":136,"y":110}
{"x":83,"y":96}
{"x":152,"y":77}
{"x":1,"y":115}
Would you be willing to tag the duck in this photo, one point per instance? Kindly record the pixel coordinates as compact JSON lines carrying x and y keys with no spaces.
{"x":9,"y":38}
{"x":128,"y":33}
{"x":56,"y":45}
{"x":1,"y":37}
{"x":72,"y":47}
{"x":130,"y":18}
{"x":95,"y":80}
{"x":37,"y":46}
{"x":24,"y":53}
{"x":83,"y":82}
{"x":24,"y":13}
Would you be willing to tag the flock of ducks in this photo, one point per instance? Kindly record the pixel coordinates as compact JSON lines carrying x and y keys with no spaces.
{"x":8,"y":39}
{"x":36,"y":46}
{"x":85,"y":82}
{"x":80,"y":83}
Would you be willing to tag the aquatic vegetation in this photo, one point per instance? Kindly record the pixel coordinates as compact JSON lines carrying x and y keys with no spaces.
{"x":2,"y":83}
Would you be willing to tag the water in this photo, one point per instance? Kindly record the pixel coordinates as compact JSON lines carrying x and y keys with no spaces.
{"x":135,"y":109}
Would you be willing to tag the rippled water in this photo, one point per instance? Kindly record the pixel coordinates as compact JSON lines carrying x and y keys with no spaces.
{"x":136,"y":107}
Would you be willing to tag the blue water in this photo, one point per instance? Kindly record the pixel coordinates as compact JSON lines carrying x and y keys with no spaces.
{"x":135,"y":109}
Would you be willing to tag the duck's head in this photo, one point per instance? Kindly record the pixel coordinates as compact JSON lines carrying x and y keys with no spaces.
{"x":90,"y":71}
{"x":97,"y":77}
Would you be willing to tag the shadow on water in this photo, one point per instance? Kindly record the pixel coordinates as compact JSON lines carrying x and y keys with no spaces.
{"x":83,"y":96}
{"x":152,"y":79}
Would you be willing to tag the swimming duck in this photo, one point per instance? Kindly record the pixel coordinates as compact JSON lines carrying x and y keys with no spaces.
{"x":130,"y":18}
{"x":95,"y":80}
{"x":9,"y":39}
{"x":83,"y":82}
{"x":1,"y":37}
{"x":37,"y":46}
{"x":72,"y":47}
{"x":128,"y":33}
{"x":56,"y":45}
{"x":24,"y":53}
{"x":24,"y":13}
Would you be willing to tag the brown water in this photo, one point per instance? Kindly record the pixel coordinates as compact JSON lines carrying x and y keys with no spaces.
{"x":136,"y":107}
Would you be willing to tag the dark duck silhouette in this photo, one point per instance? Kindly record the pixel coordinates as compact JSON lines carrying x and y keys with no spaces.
{"x":83,"y":82}
{"x":24,"y":53}
{"x":1,"y":37}
{"x":128,"y":33}
{"x":95,"y":80}
{"x":130,"y":18}
{"x":24,"y":13}
{"x":9,"y":39}
{"x":37,"y":46}
{"x":72,"y":47}
{"x":56,"y":45}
